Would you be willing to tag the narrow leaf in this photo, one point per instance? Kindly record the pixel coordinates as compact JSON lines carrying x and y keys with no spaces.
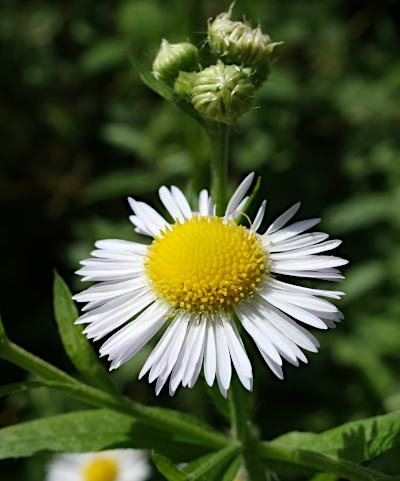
{"x":357,"y":441}
{"x":76,"y":345}
{"x":166,"y":468}
{"x":233,"y":468}
{"x":164,"y":90}
{"x":91,"y":430}
{"x":197,"y":470}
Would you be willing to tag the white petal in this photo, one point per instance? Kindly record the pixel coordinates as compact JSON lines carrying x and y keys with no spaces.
{"x":259,"y":216}
{"x":130,"y":339}
{"x":239,"y":194}
{"x":238,"y":354}
{"x":151,"y":219}
{"x":112,"y":319}
{"x":283,"y":219}
{"x":203,"y":202}
{"x":210,"y":354}
{"x":322,"y":247}
{"x":293,"y":331}
{"x":298,"y":241}
{"x":182,"y":202}
{"x":120,"y":245}
{"x":170,"y":204}
{"x":315,"y":292}
{"x":140,"y":225}
{"x":109,"y":289}
{"x":160,"y":350}
{"x":196,"y":354}
{"x":323,"y":274}
{"x":224,"y":369}
{"x":309,"y":263}
{"x":304,"y":301}
{"x":239,"y":209}
{"x":290,"y":231}
{"x":247,"y":317}
{"x":294,"y":311}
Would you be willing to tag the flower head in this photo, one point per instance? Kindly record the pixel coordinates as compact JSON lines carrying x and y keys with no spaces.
{"x":199,"y":273}
{"x":173,"y":57}
{"x":115,"y":465}
{"x":222,"y":92}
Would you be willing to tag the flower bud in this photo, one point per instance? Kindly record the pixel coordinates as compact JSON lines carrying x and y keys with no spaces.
{"x":237,"y":42}
{"x":173,"y":57}
{"x":184,"y":83}
{"x":222,"y":92}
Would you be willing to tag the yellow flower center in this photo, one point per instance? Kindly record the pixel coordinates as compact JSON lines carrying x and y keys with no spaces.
{"x":205,"y":264}
{"x":101,"y":469}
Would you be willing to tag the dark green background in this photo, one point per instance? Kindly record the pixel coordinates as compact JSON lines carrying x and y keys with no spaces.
{"x":79,"y":132}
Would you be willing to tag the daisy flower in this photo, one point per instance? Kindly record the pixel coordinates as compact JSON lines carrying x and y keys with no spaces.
{"x":198,"y":272}
{"x":114,"y":465}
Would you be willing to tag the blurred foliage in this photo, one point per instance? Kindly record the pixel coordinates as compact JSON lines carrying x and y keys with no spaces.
{"x":80,"y":132}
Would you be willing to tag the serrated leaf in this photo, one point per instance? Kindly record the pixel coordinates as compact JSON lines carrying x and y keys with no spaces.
{"x":90,"y":430}
{"x":357,"y":441}
{"x":77,"y":347}
{"x":163,"y":89}
{"x":166,"y":468}
{"x":318,"y":462}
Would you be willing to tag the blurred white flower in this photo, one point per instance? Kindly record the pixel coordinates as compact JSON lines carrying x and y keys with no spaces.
{"x":196,"y":274}
{"x":112,"y":465}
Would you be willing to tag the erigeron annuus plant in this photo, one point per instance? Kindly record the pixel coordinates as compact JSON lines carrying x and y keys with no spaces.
{"x":205,"y":277}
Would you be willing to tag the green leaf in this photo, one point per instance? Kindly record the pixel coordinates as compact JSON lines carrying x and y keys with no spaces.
{"x":75,"y":343}
{"x":164,"y":90}
{"x":357,"y":441}
{"x":324,"y":477}
{"x":166,"y":468}
{"x":90,"y":430}
{"x":318,"y":462}
{"x":233,"y":469}
{"x":2,"y":330}
{"x":203,"y":468}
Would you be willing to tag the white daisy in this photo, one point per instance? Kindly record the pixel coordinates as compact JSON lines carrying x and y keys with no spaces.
{"x":198,"y":271}
{"x":113,"y":465}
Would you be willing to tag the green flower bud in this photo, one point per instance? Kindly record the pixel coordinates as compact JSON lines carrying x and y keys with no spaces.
{"x":222,"y":92}
{"x":173,"y":57}
{"x":184,"y":83}
{"x":237,"y":42}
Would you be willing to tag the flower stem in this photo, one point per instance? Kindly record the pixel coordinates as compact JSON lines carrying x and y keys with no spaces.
{"x":219,"y":136}
{"x":168,"y":420}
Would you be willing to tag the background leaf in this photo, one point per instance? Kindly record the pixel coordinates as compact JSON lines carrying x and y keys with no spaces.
{"x":76,"y":345}
{"x":357,"y":441}
{"x":91,"y":430}
{"x":166,"y":468}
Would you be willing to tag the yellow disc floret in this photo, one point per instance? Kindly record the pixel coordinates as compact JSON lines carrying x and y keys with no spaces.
{"x":101,"y":469}
{"x":205,"y":263}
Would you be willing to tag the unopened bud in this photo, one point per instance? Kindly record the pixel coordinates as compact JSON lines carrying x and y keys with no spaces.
{"x":222,"y":92}
{"x":184,"y":83}
{"x":237,"y":42}
{"x":173,"y":57}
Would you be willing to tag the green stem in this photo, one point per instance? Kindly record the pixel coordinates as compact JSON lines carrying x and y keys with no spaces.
{"x":238,"y":410}
{"x":219,"y":136}
{"x":31,"y":363}
{"x":172,"y":421}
